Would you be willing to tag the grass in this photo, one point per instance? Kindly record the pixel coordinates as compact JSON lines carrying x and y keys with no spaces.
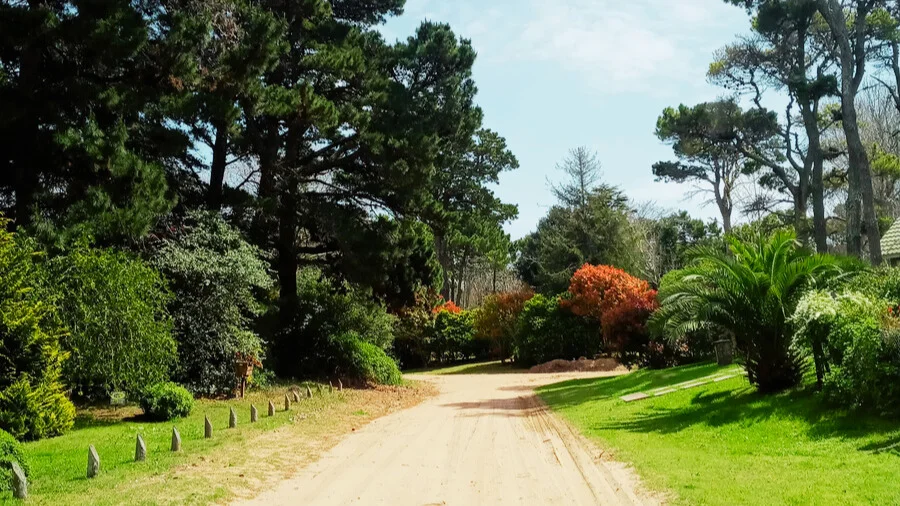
{"x":724,"y":444}
{"x":495,"y":367}
{"x":234,"y":462}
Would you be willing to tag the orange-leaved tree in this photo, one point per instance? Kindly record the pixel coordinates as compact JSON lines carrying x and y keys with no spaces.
{"x":497,"y":318}
{"x":620,"y":302}
{"x":448,"y":306}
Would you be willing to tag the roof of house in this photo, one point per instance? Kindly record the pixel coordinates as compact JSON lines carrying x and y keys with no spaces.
{"x":890,"y":243}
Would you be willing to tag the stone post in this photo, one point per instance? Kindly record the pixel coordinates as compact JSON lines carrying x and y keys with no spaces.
{"x":271,"y":408}
{"x":254,"y":414}
{"x":287,"y":403}
{"x":93,"y":467}
{"x":232,"y":419}
{"x":207,"y":428}
{"x":176,"y":440}
{"x":140,"y":449}
{"x":19,"y":482}
{"x":308,"y":392}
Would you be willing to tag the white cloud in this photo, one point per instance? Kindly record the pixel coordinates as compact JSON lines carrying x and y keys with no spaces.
{"x":612,"y":45}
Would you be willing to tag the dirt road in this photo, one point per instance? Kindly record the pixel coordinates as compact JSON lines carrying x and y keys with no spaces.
{"x":484,"y":440}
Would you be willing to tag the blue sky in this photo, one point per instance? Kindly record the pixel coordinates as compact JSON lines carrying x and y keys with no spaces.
{"x":557,"y":74}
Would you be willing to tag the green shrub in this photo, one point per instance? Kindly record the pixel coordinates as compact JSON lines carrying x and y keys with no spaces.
{"x":546,"y":331}
{"x":454,"y":337}
{"x":357,"y":359}
{"x":325,"y":309}
{"x":32,"y":402}
{"x":10,"y":451}
{"x":217,"y":278}
{"x":166,"y":401}
{"x":748,"y":293}
{"x":114,"y":307}
{"x":31,"y":412}
{"x":855,"y":342}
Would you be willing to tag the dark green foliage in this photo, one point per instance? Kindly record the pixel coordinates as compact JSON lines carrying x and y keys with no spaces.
{"x":32,"y":402}
{"x":567,"y":238}
{"x":217,"y":279}
{"x":10,"y":451}
{"x":84,"y":140}
{"x":166,"y":401}
{"x":351,"y":357}
{"x":114,"y":307}
{"x":394,"y":258}
{"x":748,"y":293}
{"x":547,"y":331}
{"x":413,"y":329}
{"x":326,"y":309}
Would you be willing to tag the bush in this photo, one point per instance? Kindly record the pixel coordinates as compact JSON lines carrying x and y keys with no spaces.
{"x":747,"y":293}
{"x":356,"y":359}
{"x":32,"y":402}
{"x":413,"y":330}
{"x":497,"y":320}
{"x":217,"y":278}
{"x":31,"y":412}
{"x":10,"y":451}
{"x":547,"y":331}
{"x":622,"y":304}
{"x":114,"y":306}
{"x":326,"y":309}
{"x":855,"y":341}
{"x":166,"y":401}
{"x":454,"y":336}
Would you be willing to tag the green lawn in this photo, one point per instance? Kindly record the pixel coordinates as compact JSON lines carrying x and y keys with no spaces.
{"x":725,"y":444}
{"x":206,"y":470}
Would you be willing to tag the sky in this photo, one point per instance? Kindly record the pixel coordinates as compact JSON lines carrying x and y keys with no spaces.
{"x":557,"y":74}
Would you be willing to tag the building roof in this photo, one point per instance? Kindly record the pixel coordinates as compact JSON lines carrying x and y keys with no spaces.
{"x":890,"y":243}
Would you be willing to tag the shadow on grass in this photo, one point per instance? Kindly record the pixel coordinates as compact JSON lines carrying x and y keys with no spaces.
{"x":741,"y":405}
{"x":471,"y":368}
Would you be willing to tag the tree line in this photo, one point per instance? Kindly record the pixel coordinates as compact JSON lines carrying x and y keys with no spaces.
{"x":323,"y":144}
{"x":828,"y":154}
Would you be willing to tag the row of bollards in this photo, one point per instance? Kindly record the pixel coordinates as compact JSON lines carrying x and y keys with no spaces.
{"x":140,"y":453}
{"x":20,"y":481}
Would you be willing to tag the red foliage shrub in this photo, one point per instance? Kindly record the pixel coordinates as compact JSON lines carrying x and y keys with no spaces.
{"x":448,"y":306}
{"x":497,"y":318}
{"x":620,"y":302}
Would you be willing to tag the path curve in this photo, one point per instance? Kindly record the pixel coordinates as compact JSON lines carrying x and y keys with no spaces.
{"x":483,"y":440}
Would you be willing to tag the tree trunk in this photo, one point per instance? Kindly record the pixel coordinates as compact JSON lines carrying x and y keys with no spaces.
{"x":217,"y":169}
{"x":852,"y":60}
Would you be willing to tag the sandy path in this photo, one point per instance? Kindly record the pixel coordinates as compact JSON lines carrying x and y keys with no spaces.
{"x":485,"y":439}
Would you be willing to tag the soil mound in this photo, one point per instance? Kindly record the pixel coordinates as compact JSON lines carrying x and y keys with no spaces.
{"x":580,"y":365}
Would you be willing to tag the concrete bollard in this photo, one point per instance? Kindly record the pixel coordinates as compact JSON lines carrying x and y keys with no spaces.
{"x":140,"y":449}
{"x":176,"y":440}
{"x":93,"y":467}
{"x":19,"y":482}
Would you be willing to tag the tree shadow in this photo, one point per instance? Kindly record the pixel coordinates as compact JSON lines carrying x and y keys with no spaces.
{"x":741,"y":406}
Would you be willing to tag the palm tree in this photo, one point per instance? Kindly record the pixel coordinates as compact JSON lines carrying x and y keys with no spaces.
{"x":749,"y":292}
